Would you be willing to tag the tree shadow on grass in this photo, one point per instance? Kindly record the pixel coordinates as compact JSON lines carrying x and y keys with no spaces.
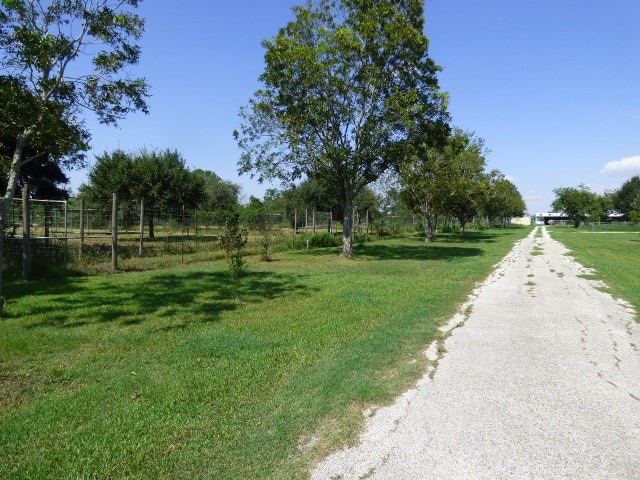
{"x":417,"y":252}
{"x":178,"y":299}
{"x":467,"y":237}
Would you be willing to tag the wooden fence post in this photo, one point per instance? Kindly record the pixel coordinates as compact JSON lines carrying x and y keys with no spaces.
{"x":182,"y":236}
{"x":81,"y":229}
{"x":114,"y":233}
{"x":26,"y":233}
{"x":366,"y":223}
{"x":141,"y":243}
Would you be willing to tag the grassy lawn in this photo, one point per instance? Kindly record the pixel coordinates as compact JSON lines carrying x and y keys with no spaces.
{"x":188,"y":373}
{"x":613,"y":255}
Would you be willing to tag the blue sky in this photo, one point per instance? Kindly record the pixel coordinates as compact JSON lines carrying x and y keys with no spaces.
{"x":553,"y":86}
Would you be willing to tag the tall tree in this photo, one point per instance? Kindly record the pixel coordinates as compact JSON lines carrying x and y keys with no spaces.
{"x":503,"y":200}
{"x":445,"y":178}
{"x":160,"y":179}
{"x":467,"y":183}
{"x":47,"y":82}
{"x":627,"y":198}
{"x":579,"y":203}
{"x":345,"y":84}
{"x":44,"y":174}
{"x":219,"y":194}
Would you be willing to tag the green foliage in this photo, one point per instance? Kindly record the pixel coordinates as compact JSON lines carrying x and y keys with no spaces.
{"x":503,"y":199}
{"x":219,"y":195}
{"x":579,"y":203}
{"x":479,"y":225}
{"x":627,"y":198}
{"x":253,"y":213}
{"x":60,"y":138}
{"x":59,"y":58}
{"x":232,"y":242}
{"x":264,"y":244}
{"x":160,"y":179}
{"x":444,"y":179}
{"x":634,"y":216}
{"x":180,"y":373}
{"x":324,"y":239}
{"x":341,"y":71}
{"x":360,"y":238}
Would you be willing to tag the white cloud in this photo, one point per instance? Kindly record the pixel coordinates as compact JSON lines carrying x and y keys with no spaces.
{"x":625,"y":166}
{"x":511,"y":178}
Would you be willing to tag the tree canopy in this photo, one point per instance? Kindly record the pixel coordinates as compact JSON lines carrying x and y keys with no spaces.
{"x":160,"y":179}
{"x":47,"y":81}
{"x":503,"y":200}
{"x":345,"y":86}
{"x":444,"y":178}
{"x":627,"y":198}
{"x":579,"y":203}
{"x":219,"y":194}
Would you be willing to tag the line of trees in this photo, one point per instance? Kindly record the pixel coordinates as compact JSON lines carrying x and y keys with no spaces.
{"x":348,"y":89}
{"x":450,"y":180}
{"x":160,"y":179}
{"x":350,"y":95}
{"x":60,"y":58}
{"x":582,"y":204}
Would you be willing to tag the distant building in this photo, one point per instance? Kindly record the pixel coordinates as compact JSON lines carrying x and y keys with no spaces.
{"x":552,"y":218}
{"x":521,"y":221}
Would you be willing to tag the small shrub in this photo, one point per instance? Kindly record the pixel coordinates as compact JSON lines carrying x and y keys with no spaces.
{"x":324,"y":239}
{"x":264,"y":245}
{"x":232,"y":242}
{"x":479,"y":225}
{"x":360,"y":238}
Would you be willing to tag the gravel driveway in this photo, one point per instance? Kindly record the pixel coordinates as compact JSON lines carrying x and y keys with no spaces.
{"x":540,"y":380}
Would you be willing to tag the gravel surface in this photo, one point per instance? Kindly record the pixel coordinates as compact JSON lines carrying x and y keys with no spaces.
{"x":540,"y":380}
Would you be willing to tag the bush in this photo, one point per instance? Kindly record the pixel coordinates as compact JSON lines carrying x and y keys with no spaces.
{"x":324,"y":239}
{"x":479,"y":224}
{"x":232,"y":242}
{"x":319,"y":240}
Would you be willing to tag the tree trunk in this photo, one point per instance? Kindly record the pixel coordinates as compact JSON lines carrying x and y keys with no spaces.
{"x":151,"y":231}
{"x":463,"y":222}
{"x":12,"y":182}
{"x":347,"y":226}
{"x":429,"y":233}
{"x":429,"y":227}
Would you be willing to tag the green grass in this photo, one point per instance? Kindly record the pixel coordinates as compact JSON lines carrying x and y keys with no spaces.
{"x":188,"y":373}
{"x":537,"y":251}
{"x":611,"y":227}
{"x":614,"y":256}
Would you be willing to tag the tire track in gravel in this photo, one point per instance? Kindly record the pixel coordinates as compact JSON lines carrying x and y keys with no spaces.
{"x":540,"y":380}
